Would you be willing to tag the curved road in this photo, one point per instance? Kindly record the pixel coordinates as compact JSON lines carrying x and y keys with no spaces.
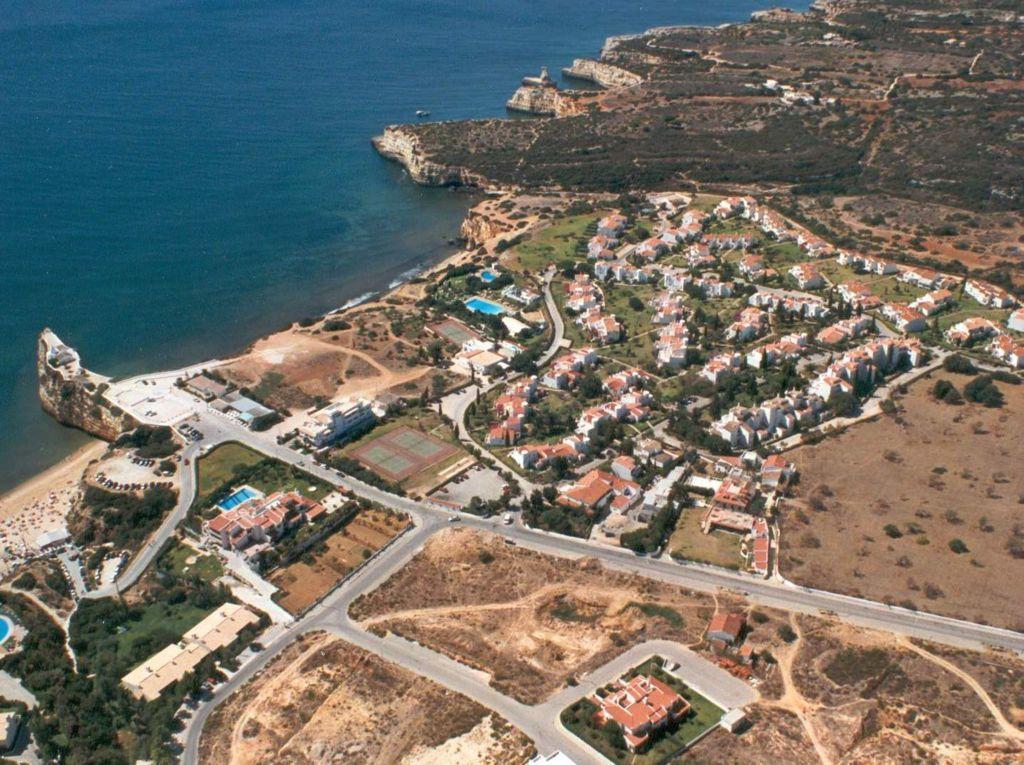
{"x":332,"y":613}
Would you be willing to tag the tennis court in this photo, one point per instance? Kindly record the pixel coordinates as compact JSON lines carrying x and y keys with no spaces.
{"x":402,"y":452}
{"x":455,"y":332}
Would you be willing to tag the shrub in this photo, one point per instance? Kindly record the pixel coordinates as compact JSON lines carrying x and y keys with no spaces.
{"x":983,"y":391}
{"x":958,"y":546}
{"x":892,"y":531}
{"x":946,"y":392}
{"x":786,"y":633}
{"x":958,"y":364}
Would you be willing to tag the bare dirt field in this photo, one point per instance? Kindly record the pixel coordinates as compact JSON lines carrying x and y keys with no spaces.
{"x":841,"y":694}
{"x":305,"y":581}
{"x":324,"y":700}
{"x":292,"y":369}
{"x":529,"y":620}
{"x":978,"y":240}
{"x":878,"y":507}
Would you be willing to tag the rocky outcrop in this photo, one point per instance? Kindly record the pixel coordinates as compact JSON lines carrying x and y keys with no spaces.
{"x":478,"y":228}
{"x":545,"y":102}
{"x":605,"y":75}
{"x":401,"y":144}
{"x":72,"y":395}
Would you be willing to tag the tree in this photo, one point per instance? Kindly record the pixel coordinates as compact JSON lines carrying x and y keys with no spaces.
{"x":636,"y":303}
{"x":590,"y":385}
{"x":945,"y":391}
{"x":843,"y":404}
{"x":983,"y":391}
{"x":437,"y":385}
{"x":435,"y":351}
{"x":959,"y":364}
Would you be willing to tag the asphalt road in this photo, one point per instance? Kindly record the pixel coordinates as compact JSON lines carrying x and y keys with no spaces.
{"x":695,"y":576}
{"x":536,"y":722}
{"x":142,"y":560}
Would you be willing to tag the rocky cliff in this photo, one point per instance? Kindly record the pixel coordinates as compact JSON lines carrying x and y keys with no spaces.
{"x":605,"y":75}
{"x":546,"y":102}
{"x":402,"y":145}
{"x":478,"y":227}
{"x":72,"y":395}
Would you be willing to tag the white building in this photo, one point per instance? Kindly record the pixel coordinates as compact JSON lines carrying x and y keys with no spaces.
{"x":337,"y":420}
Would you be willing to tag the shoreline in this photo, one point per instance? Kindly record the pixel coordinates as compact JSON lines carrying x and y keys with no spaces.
{"x":41,"y":483}
{"x":67,"y":473}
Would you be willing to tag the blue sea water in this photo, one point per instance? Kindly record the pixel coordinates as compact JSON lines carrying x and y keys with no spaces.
{"x":178,"y":178}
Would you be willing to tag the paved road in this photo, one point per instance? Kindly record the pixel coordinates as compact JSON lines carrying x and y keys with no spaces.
{"x":695,"y":576}
{"x":869,"y":409}
{"x":534,"y":721}
{"x":142,"y":560}
{"x":557,"y":324}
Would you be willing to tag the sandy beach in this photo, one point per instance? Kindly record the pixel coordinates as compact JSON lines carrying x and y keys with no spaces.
{"x":41,"y":504}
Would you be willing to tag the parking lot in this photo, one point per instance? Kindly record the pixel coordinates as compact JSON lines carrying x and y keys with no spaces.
{"x":124,"y":472}
{"x":478,"y":481}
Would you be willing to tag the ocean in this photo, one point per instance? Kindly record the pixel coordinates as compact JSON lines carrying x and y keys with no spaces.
{"x":180,"y":178}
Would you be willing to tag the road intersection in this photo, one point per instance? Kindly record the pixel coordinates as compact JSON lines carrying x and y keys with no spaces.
{"x":539,"y":722}
{"x":332,"y":613}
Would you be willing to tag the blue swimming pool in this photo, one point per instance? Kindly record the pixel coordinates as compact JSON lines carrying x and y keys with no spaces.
{"x":479,"y":305}
{"x":5,"y":628}
{"x":488,"y":276}
{"x":238,"y":497}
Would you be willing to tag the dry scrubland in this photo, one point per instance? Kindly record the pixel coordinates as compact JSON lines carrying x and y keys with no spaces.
{"x":372,"y":349}
{"x":933,"y":474}
{"x":324,"y":700}
{"x":864,"y":697}
{"x":530,"y":620}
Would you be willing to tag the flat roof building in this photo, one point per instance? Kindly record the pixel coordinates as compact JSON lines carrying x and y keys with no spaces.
{"x":168,"y":666}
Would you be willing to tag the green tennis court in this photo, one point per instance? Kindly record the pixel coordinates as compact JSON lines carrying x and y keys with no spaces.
{"x":402,"y":452}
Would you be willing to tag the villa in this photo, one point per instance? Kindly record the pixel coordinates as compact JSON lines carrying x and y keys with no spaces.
{"x":807,"y":276}
{"x":641,"y":707}
{"x":260,"y":520}
{"x":1008,"y":349}
{"x":752,"y":322}
{"x":904,"y":317}
{"x":612,"y":225}
{"x":598,"y":490}
{"x":933,"y":302}
{"x":971,"y":329}
{"x":721,"y":366}
{"x":1016,"y":320}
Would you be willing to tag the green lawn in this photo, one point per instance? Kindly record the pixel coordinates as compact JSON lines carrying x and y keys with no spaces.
{"x":703,"y":716}
{"x":616,"y":300}
{"x":966,"y":307}
{"x":555,"y":243}
{"x":233,"y":464}
{"x":782,"y":255}
{"x":160,"y":623}
{"x":206,"y":567}
{"x":735,"y":225}
{"x":719,"y":548}
{"x":218,"y":467}
{"x":837,"y":273}
{"x":705,"y":202}
{"x":890,"y":289}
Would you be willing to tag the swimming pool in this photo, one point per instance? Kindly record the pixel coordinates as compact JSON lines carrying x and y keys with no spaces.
{"x":5,"y":628}
{"x":488,"y":276}
{"x":479,"y":305}
{"x":238,"y":497}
